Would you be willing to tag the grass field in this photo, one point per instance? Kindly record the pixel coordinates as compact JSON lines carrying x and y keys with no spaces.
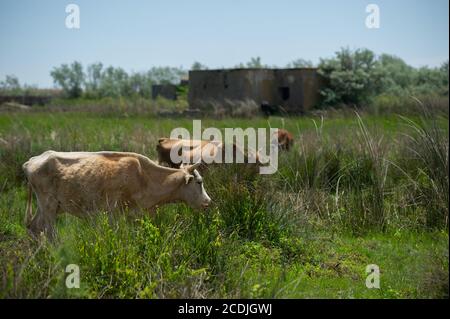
{"x":353,"y":192}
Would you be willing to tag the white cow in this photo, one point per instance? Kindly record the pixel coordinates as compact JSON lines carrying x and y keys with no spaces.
{"x":81,"y":183}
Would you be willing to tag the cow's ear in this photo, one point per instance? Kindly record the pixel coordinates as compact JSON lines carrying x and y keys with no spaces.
{"x":188,"y":178}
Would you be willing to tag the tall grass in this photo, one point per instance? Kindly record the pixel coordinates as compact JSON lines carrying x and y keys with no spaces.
{"x":355,"y":180}
{"x":427,"y":169}
{"x":352,"y":191}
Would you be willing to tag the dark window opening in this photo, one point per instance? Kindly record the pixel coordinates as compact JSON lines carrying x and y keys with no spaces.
{"x":225,"y":81}
{"x":284,"y":93}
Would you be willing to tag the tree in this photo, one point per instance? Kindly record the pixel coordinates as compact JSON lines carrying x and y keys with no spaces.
{"x":11,"y":84}
{"x":141,"y":85}
{"x":69,"y":78}
{"x":93,"y":79}
{"x":300,"y":63}
{"x":198,"y":66}
{"x":428,"y":80}
{"x":397,"y":75}
{"x":443,"y":71}
{"x":165,"y":75}
{"x":352,"y":77}
{"x":255,"y":63}
{"x":114,"y":83}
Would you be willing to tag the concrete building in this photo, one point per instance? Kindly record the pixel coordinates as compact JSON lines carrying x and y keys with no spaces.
{"x":291,"y":90}
{"x":167,"y":91}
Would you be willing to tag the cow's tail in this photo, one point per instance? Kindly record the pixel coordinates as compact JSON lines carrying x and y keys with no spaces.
{"x":29,"y":209}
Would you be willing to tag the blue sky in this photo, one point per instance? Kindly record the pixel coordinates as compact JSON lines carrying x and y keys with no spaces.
{"x":137,"y":35}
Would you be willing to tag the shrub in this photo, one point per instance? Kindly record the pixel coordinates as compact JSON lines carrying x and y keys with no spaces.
{"x":351,"y":77}
{"x":357,"y":77}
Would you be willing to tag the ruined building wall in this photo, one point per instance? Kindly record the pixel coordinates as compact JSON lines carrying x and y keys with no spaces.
{"x":295,"y":90}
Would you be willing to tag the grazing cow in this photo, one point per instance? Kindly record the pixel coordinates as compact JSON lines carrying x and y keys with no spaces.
{"x":285,"y":139}
{"x":81,"y":183}
{"x":190,"y":150}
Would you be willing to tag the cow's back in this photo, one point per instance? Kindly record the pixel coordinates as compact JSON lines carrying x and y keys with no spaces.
{"x":189,"y":149}
{"x":81,"y":181}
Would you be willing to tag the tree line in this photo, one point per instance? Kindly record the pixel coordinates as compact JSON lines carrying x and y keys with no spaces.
{"x":96,"y":81}
{"x":351,"y":77}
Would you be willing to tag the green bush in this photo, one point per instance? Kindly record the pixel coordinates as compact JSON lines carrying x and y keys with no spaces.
{"x":355,"y":78}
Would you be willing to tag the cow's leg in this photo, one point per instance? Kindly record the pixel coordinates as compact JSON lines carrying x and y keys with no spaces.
{"x":35,"y":225}
{"x":44,"y":220}
{"x":50,"y":221}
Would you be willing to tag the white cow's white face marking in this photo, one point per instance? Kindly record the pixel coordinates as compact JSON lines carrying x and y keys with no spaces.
{"x":193,"y":191}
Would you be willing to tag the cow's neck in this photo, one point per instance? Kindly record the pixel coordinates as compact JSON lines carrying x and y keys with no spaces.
{"x":164,"y":188}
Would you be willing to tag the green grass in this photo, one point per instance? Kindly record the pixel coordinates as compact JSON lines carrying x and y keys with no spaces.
{"x":352,"y":192}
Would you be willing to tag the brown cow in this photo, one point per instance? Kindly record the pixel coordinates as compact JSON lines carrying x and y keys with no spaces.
{"x":81,"y":183}
{"x":191,"y":150}
{"x":285,"y":139}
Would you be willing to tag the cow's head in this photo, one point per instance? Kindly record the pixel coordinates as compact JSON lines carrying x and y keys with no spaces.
{"x":192,"y":190}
